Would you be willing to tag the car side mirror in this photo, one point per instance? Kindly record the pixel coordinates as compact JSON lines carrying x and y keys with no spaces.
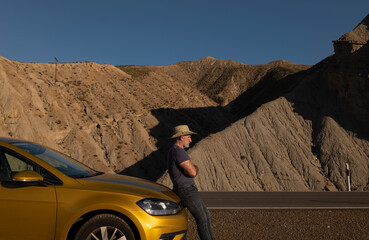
{"x":28,"y":176}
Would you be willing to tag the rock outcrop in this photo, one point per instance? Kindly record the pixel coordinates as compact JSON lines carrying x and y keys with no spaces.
{"x":353,"y":41}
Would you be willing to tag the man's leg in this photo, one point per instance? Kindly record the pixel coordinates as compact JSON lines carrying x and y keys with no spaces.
{"x":191,"y":199}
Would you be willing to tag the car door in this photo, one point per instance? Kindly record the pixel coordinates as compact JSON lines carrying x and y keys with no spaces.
{"x":27,"y":211}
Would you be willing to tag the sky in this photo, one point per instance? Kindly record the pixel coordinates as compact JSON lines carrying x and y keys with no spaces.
{"x":165,"y":32}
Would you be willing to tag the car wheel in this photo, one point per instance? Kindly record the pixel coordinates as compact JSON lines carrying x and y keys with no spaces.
{"x":105,"y":227}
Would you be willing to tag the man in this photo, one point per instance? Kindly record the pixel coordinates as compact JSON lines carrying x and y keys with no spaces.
{"x":182,"y":173}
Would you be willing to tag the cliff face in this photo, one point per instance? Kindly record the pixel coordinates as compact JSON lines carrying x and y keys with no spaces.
{"x":353,"y":41}
{"x":272,"y":127}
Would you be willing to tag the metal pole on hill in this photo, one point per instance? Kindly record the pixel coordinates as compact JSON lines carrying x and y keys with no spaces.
{"x":56,"y":66}
{"x":348,"y":177}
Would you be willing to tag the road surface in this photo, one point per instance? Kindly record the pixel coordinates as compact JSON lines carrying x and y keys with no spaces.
{"x":286,"y":200}
{"x":286,"y":215}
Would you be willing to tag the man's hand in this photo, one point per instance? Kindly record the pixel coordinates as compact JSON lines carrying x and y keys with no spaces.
{"x":189,"y":169}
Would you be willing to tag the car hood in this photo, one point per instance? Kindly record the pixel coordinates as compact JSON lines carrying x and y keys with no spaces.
{"x":129,"y":185}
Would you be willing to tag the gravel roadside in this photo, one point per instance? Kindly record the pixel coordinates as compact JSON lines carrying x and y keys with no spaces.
{"x":286,"y":224}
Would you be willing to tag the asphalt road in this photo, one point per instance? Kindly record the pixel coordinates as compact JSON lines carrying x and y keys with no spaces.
{"x":286,"y":215}
{"x":286,"y":200}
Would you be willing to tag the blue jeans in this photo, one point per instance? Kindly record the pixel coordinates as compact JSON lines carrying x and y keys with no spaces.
{"x":192,"y":201}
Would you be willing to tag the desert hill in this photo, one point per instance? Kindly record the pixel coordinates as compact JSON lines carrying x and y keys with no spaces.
{"x":278,"y":126}
{"x":108,"y":118}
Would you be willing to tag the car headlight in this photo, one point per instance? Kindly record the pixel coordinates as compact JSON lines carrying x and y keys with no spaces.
{"x":159,"y":207}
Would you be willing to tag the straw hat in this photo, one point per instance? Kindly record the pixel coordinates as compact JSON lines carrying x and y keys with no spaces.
{"x":181,"y":130}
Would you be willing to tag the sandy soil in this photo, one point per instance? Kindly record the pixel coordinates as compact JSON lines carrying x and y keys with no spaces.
{"x":287,"y":224}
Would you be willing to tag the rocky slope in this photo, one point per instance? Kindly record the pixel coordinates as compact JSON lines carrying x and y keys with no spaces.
{"x":96,"y":113}
{"x":107,"y":118}
{"x":278,"y":126}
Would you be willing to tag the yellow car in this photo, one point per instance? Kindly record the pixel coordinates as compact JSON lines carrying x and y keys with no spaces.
{"x":47,"y":195}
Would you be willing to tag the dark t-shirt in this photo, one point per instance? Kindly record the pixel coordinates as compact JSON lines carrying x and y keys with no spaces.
{"x":177,"y":155}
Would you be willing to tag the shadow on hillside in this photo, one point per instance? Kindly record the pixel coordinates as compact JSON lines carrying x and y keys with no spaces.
{"x":269,"y":88}
{"x":204,"y":121}
{"x":337,"y":89}
{"x":334,"y":96}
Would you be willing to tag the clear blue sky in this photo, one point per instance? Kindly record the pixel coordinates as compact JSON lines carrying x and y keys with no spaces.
{"x":165,"y":32}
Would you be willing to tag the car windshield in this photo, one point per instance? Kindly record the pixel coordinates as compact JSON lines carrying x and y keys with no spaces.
{"x":60,"y":161}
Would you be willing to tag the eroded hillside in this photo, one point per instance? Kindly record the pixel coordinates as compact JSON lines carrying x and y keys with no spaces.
{"x":110,"y":119}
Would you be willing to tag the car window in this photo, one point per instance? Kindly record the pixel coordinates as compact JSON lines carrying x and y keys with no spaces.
{"x":4,"y":168}
{"x":60,"y":161}
{"x":11,"y":164}
{"x":16,"y":165}
{"x":49,"y":178}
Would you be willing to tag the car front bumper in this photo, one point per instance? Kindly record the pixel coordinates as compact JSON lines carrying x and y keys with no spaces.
{"x":170,"y":227}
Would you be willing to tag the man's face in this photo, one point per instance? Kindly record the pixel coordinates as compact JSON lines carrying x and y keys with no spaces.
{"x":186,"y":140}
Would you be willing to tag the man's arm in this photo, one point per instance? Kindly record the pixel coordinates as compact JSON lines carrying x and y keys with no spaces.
{"x":189,"y":169}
